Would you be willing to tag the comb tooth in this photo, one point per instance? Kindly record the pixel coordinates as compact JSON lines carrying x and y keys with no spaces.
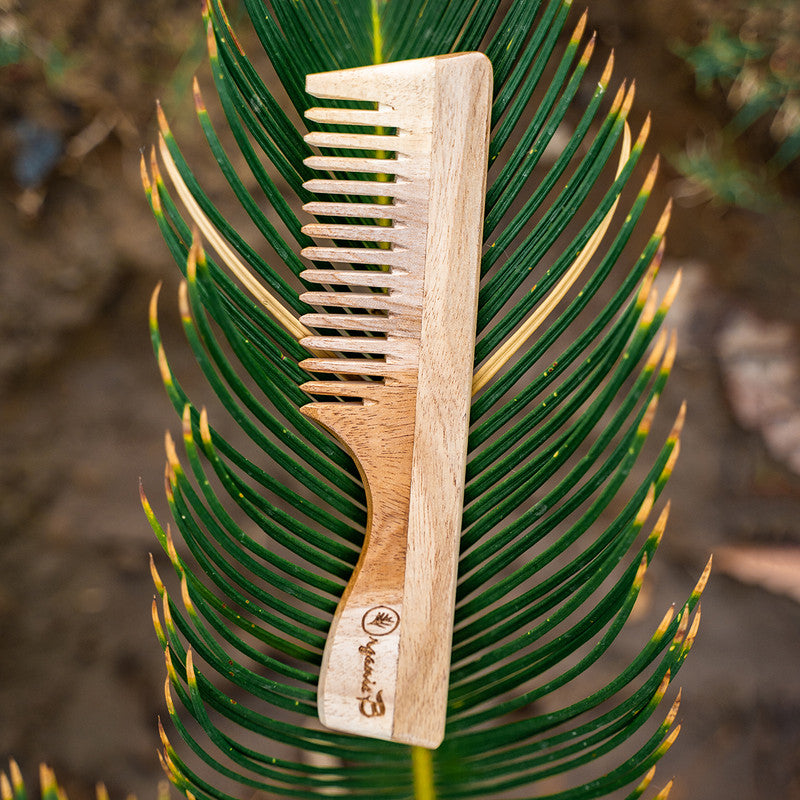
{"x":394,"y":325}
{"x":386,"y":84}
{"x":353,"y":277}
{"x":382,"y":118}
{"x":355,"y":233}
{"x":350,"y":344}
{"x":382,"y":302}
{"x":354,"y":255}
{"x":323,"y":208}
{"x":349,"y":322}
{"x":403,"y":311}
{"x":363,"y":389}
{"x":383,"y":166}
{"x":353,"y":366}
{"x":358,"y":141}
{"x":358,"y":188}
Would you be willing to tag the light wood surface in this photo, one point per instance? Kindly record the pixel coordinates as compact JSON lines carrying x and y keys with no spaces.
{"x":411,"y":330}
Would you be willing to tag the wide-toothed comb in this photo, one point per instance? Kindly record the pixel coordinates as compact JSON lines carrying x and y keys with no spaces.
{"x":411,"y":324}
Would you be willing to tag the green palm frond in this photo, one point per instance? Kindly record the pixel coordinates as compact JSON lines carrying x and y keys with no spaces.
{"x":556,"y":539}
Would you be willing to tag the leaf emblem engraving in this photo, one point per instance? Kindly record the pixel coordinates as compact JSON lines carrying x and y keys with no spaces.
{"x":380,"y":621}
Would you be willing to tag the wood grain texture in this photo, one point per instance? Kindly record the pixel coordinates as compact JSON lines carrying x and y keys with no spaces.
{"x":386,"y":662}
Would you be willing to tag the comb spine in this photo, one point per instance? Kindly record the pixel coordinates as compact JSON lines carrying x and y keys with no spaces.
{"x":444,"y":391}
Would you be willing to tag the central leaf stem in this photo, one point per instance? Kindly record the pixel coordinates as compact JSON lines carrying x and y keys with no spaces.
{"x":377,"y":58}
{"x":377,"y":37}
{"x":422,"y":767}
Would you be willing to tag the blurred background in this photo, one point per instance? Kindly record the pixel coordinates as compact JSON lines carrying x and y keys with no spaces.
{"x":82,"y":410}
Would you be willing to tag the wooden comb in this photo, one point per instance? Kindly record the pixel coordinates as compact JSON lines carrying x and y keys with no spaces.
{"x":411,"y":305}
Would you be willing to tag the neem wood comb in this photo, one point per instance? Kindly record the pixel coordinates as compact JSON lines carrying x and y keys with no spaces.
{"x":407,"y":308}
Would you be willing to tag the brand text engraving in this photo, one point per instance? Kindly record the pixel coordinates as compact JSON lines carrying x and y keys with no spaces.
{"x":376,"y":623}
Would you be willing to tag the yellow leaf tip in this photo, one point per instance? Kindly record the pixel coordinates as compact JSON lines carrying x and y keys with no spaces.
{"x":163,"y":366}
{"x":171,"y":551}
{"x":672,"y":291}
{"x":47,"y":779}
{"x":695,"y":627}
{"x":211,"y":41}
{"x":588,"y":52}
{"x":665,"y":792}
{"x":650,"y":308}
{"x":161,"y":732}
{"x":153,"y":308}
{"x":185,"y":596}
{"x":649,"y":416}
{"x":640,"y":573}
{"x":658,"y":529}
{"x":154,"y":574}
{"x":672,"y":351}
{"x":672,"y":460}
{"x":647,"y":284}
{"x":627,"y":103}
{"x":16,"y":774}
{"x":168,"y":621}
{"x":168,"y":698}
{"x":205,"y":430}
{"x":677,"y":427}
{"x":183,"y":302}
{"x":683,"y":626}
{"x":186,"y":423}
{"x":577,"y":34}
{"x":199,"y":103}
{"x":163,"y":125}
{"x":647,"y":780}
{"x":619,"y":98}
{"x":670,"y":740}
{"x":662,"y":688}
{"x":605,"y":78}
{"x":143,"y":500}
{"x":144,"y":174}
{"x":156,"y":620}
{"x":646,"y":507}
{"x":191,"y":676}
{"x":663,"y":222}
{"x":703,"y":579}
{"x":657,"y":351}
{"x":652,"y":174}
{"x":664,"y":624}
{"x":173,"y":462}
{"x":673,"y":711}
{"x":648,"y":122}
{"x":196,"y":256}
{"x":170,"y":481}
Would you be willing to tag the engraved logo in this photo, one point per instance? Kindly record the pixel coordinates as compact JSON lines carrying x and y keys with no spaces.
{"x":377,"y":622}
{"x":380,"y":621}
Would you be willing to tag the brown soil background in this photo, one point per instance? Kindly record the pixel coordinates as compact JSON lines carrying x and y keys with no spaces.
{"x":82,"y":411}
